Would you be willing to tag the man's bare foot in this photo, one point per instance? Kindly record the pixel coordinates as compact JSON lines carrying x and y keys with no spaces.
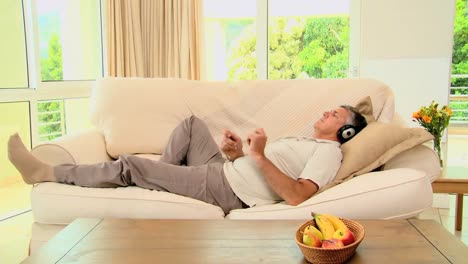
{"x":32,"y":169}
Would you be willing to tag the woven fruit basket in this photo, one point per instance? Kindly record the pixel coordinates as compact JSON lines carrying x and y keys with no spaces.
{"x":330,"y":255}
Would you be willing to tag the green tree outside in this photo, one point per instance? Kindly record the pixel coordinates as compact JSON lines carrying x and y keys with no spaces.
{"x":326,"y":52}
{"x":460,"y":46}
{"x":285,"y":41}
{"x":50,"y":114}
{"x":51,"y":67}
{"x":242,"y":58}
{"x":460,"y":60}
{"x":300,"y":47}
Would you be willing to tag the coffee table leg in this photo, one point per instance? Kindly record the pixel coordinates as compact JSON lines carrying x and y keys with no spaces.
{"x":459,"y":212}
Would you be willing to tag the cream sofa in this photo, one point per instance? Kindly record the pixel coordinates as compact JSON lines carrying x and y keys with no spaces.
{"x":137,"y":115}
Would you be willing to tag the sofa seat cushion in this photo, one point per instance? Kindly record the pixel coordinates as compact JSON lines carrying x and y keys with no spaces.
{"x":390,"y":194}
{"x":55,"y":203}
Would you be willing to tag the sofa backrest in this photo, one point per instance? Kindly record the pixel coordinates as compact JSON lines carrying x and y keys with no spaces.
{"x":137,"y":115}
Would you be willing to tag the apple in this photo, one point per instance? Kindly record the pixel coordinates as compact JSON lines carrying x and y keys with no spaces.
{"x":332,"y":243}
{"x":345,"y":235}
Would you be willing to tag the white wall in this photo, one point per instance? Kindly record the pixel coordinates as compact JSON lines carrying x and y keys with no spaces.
{"x":408,"y":45}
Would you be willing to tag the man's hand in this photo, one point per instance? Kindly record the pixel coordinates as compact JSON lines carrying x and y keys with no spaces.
{"x":231,"y":145}
{"x":257,"y":141}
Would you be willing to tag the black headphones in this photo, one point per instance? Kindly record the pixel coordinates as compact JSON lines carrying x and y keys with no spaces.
{"x":346,"y":133}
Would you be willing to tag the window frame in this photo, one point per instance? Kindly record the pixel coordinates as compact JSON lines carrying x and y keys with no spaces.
{"x":38,"y":90}
{"x":262,"y":47}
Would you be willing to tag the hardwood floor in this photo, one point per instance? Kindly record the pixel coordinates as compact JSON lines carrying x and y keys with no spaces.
{"x":15,"y":221}
{"x":14,"y":239}
{"x":14,"y":197}
{"x":446,"y":217}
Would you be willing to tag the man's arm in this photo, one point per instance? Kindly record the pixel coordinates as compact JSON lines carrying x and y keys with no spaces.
{"x":292,"y":191}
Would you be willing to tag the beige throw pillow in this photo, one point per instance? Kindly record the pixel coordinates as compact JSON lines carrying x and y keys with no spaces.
{"x":375,"y":145}
{"x":364,"y":106}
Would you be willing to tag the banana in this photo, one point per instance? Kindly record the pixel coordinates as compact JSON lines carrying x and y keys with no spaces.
{"x":324,"y":225}
{"x":336,"y":222}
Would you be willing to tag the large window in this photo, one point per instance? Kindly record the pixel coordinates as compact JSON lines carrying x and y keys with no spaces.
{"x":308,"y":39}
{"x":59,"y":117}
{"x":459,"y":84}
{"x":13,"y":65}
{"x":69,"y":50}
{"x":50,"y":54}
{"x":230,"y":31}
{"x":14,"y":118}
{"x":50,"y":119}
{"x":69,"y":39}
{"x":277,"y":39}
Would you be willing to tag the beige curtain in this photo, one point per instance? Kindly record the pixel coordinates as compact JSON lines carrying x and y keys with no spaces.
{"x":155,"y":38}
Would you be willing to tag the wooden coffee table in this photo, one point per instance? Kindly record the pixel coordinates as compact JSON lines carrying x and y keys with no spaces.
{"x":238,"y":241}
{"x":453,"y":179}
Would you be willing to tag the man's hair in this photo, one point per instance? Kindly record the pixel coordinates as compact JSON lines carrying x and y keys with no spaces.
{"x":355,"y":118}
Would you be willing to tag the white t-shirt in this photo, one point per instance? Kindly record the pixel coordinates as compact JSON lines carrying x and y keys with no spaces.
{"x":308,"y":158}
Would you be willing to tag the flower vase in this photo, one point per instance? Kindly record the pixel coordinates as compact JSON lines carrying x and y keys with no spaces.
{"x":436,"y":145}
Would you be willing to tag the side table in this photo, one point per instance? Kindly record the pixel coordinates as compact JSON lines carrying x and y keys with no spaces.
{"x":453,"y":179}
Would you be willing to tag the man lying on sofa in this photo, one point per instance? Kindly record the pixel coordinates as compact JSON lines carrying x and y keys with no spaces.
{"x":290,"y":169}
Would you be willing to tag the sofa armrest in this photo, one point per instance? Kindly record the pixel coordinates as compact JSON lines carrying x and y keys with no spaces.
{"x":420,"y":157}
{"x":85,"y":147}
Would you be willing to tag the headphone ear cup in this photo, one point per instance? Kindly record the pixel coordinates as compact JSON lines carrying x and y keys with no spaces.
{"x":345,"y":133}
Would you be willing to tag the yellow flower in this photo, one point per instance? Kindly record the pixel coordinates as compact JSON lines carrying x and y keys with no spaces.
{"x":432,"y":118}
{"x":435,"y":121}
{"x":427,"y":119}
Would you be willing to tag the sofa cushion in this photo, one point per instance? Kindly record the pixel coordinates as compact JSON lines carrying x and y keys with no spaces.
{"x":85,"y":147}
{"x":55,"y":203}
{"x":374,"y":146}
{"x":377,"y":195}
{"x":421,"y":157}
{"x":365,"y":108}
{"x":137,"y":115}
{"x":291,"y":107}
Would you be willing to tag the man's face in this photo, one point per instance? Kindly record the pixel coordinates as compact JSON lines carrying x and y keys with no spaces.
{"x":331,"y":121}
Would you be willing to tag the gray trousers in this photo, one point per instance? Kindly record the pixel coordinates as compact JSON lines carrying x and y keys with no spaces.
{"x":191,"y":165}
